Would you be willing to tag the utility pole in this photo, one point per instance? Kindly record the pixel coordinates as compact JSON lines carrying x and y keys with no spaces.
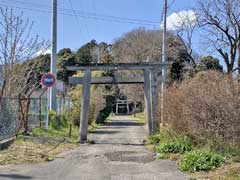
{"x":53,"y":91}
{"x":164,"y":56}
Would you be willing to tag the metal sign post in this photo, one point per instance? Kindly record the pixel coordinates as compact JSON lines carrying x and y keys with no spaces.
{"x":48,"y":80}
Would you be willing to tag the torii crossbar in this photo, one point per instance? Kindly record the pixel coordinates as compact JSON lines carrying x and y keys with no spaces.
{"x":150,"y":79}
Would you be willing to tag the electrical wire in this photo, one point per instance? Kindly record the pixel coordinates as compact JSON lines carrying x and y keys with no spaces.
{"x":79,"y":15}
{"x":171,"y":3}
{"x":86,"y":27}
{"x":82,"y":14}
{"x":76,"y":17}
{"x":93,"y":6}
{"x":94,"y":9}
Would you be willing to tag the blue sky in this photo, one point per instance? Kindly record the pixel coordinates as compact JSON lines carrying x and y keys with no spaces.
{"x":74,"y":32}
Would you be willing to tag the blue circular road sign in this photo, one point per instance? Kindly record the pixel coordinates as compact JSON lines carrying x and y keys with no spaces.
{"x":48,"y":80}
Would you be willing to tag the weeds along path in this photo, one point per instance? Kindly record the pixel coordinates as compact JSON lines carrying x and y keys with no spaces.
{"x":118,"y":154}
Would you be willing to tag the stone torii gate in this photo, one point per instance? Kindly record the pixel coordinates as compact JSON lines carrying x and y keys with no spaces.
{"x":151,"y":80}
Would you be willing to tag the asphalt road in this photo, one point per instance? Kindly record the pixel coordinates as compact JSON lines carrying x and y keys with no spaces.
{"x":118,"y":154}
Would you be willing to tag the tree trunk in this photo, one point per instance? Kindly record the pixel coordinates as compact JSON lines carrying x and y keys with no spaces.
{"x":2,"y":90}
{"x":229,"y":69}
{"x":239,"y":59}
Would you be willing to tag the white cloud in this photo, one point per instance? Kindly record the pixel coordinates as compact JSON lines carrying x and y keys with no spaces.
{"x":43,"y":52}
{"x":181,"y":19}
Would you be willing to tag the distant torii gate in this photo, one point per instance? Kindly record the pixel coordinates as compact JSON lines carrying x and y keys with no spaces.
{"x":151,"y":80}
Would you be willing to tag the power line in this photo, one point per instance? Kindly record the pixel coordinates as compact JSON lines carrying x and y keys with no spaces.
{"x":75,"y":15}
{"x":94,"y":9}
{"x":86,"y":27}
{"x":171,"y":3}
{"x":93,"y":5}
{"x":79,"y":13}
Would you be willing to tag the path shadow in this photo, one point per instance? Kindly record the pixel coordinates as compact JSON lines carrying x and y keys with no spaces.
{"x":123,"y":144}
{"x":112,"y":127}
{"x":104,"y":132}
{"x":14,"y":176}
{"x":123,"y":123}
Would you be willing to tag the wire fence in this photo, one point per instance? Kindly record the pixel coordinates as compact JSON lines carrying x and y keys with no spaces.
{"x":10,"y":114}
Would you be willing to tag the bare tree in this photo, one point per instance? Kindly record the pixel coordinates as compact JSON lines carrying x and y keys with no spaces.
{"x":101,"y":53}
{"x":141,"y":45}
{"x":185,"y":25}
{"x":17,"y":46}
{"x":221,"y":21}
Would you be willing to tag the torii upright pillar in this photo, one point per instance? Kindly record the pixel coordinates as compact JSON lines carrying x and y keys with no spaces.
{"x":85,"y":105}
{"x":151,"y":101}
{"x":155,"y":101}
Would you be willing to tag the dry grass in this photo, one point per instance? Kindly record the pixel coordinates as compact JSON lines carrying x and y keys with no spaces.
{"x":140,"y":118}
{"x":27,"y":151}
{"x":226,"y":172}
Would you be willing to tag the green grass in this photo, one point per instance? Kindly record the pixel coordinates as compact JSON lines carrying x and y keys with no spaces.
{"x":140,"y":121}
{"x":230,"y":151}
{"x":42,"y":145}
{"x":110,"y":118}
{"x":93,"y":126}
{"x":191,"y":154}
{"x":57,"y":134}
{"x":200,"y":160}
{"x":139,"y":118}
{"x":176,"y":145}
{"x":59,"y":129}
{"x":154,"y":140}
{"x":165,"y":136}
{"x":141,"y":115}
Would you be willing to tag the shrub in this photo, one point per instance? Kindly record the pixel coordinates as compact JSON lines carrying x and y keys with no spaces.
{"x":97,"y":103}
{"x":179,"y":145}
{"x":74,"y":115}
{"x":165,"y":135}
{"x":154,"y":139}
{"x":226,"y":149}
{"x":200,"y":160}
{"x":103,"y":115}
{"x":57,"y":121}
{"x":52,"y":118}
{"x":206,"y":105}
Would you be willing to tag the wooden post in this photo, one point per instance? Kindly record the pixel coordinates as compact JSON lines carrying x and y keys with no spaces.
{"x":85,"y":106}
{"x":64,"y":103}
{"x":134,"y":110}
{"x":117,"y":107}
{"x":60,"y":105}
{"x":70,"y":130}
{"x":148,"y":104}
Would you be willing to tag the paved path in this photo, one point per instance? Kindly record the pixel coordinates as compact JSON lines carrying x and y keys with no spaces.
{"x":118,"y":154}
